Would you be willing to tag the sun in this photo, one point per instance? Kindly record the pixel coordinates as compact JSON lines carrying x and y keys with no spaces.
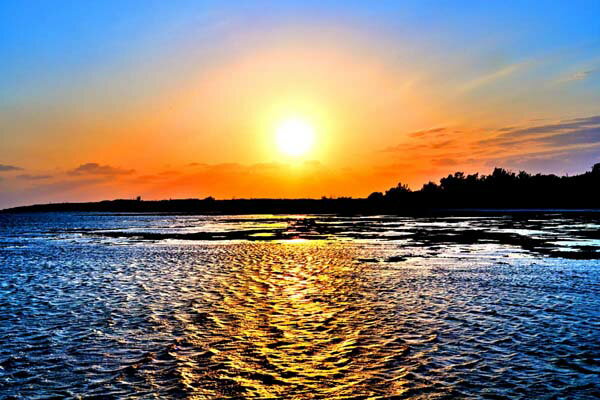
{"x":295,"y":137}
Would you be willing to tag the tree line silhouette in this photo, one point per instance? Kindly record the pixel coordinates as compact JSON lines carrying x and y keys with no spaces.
{"x":501,"y":189}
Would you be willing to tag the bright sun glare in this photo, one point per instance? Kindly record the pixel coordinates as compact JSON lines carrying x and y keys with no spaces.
{"x":295,"y":137}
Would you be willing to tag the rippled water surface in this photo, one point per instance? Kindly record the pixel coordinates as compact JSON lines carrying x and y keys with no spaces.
{"x":299,"y":307}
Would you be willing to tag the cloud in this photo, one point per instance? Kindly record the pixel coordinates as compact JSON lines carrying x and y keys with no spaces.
{"x":411,"y":148}
{"x":506,"y":129}
{"x":169,"y":173}
{"x":453,"y":161}
{"x":572,"y":131}
{"x":558,"y":161}
{"x":446,"y":161}
{"x":492,"y":76}
{"x":97,"y":169}
{"x":564,"y":146}
{"x":571,"y":124}
{"x":28,"y":177}
{"x":579,"y":76}
{"x":425,"y":132}
{"x":154,"y":178}
{"x":4,"y":168}
{"x":423,"y":140}
{"x":584,"y":136}
{"x":146,"y":179}
{"x":442,"y":144}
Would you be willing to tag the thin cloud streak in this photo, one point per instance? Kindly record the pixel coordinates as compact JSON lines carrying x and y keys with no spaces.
{"x":493,"y":76}
{"x":28,"y":177}
{"x":97,"y":169}
{"x":579,"y":128}
{"x":7,"y":168}
{"x":579,"y":76}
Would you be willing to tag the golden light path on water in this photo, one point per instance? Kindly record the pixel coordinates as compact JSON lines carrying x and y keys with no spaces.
{"x":299,"y":321}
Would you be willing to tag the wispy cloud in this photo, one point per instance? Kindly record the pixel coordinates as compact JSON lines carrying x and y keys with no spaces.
{"x":573,"y":131}
{"x":97,"y":169}
{"x":574,"y":160}
{"x":427,"y":138}
{"x":425,"y":132}
{"x":492,"y":76}
{"x":28,"y":177}
{"x":5,"y":168}
{"x":579,"y":75}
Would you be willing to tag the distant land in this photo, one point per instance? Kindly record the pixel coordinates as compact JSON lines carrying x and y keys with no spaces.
{"x":501,"y":190}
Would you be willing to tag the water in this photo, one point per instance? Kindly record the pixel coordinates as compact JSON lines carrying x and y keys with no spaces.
{"x":301,"y":307}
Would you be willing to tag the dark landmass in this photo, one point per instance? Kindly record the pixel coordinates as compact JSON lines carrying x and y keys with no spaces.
{"x":501,"y":190}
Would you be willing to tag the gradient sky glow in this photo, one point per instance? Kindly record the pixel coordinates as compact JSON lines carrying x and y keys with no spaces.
{"x":182,"y":99}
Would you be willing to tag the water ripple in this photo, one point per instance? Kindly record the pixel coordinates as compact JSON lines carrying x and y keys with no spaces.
{"x":301,"y":319}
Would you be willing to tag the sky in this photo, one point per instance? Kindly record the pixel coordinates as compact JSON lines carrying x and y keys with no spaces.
{"x":184,"y":99}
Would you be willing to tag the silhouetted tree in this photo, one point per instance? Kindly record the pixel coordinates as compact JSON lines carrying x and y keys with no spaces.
{"x":431,"y":187}
{"x":375,"y":196}
{"x":397,"y":192}
{"x":523,"y":176}
{"x":504,"y":189}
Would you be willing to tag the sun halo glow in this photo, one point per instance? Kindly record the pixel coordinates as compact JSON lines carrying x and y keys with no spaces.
{"x":295,"y":137}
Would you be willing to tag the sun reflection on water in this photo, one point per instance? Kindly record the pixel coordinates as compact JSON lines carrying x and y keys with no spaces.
{"x":292,"y":320}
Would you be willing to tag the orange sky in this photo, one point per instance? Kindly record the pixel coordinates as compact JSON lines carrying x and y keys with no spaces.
{"x":191,"y":110}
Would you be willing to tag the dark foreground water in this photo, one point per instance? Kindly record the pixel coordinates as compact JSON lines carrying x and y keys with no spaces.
{"x":126,"y":306}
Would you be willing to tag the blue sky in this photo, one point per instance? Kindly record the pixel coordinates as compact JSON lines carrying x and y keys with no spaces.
{"x":59,"y":37}
{"x":190,"y":80}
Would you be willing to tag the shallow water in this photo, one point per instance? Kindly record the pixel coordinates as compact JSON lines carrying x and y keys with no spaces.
{"x":303,"y":307}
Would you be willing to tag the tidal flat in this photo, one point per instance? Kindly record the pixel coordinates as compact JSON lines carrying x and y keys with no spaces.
{"x":299,"y":306}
